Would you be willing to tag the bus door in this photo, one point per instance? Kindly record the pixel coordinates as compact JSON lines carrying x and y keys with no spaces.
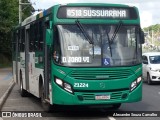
{"x":27,"y":56}
{"x":47,"y":62}
{"x":15,"y":56}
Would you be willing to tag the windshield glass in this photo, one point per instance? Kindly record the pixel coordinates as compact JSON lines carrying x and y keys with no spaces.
{"x":154,"y":59}
{"x":72,"y":48}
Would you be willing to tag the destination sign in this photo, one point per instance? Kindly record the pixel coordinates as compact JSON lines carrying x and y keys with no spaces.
{"x":97,"y":12}
{"x":84,"y":13}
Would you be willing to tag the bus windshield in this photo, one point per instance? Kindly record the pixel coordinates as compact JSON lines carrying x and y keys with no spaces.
{"x":75,"y":50}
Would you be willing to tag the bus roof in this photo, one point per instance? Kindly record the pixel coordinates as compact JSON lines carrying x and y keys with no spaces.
{"x":46,"y":12}
{"x":94,"y":4}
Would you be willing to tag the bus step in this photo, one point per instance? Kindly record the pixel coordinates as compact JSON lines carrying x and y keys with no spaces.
{"x":47,"y":100}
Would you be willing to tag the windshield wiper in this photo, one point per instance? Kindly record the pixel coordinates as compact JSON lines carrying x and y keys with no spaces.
{"x":116,"y":30}
{"x":114,"y":36}
{"x":84,"y":32}
{"x":85,"y":35}
{"x":109,"y":43}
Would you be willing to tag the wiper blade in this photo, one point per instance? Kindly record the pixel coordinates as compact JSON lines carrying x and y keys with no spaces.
{"x":116,"y":30}
{"x":114,"y":36}
{"x":84,"y":32}
{"x":109,"y":43}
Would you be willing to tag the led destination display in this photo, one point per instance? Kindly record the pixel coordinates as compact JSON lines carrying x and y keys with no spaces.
{"x":97,"y":12}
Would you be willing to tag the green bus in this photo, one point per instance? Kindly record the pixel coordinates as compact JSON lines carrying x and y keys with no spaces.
{"x":83,"y":54}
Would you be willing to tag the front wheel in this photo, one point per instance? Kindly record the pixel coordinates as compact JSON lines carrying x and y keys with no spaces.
{"x":116,"y":106}
{"x":22,"y":91}
{"x":46,"y":106}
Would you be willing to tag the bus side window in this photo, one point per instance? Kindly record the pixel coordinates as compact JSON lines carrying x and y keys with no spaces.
{"x":31,"y":42}
{"x":17,"y":36}
{"x":19,"y":39}
{"x":56,"y":46}
{"x":14,"y":42}
{"x":23,"y":40}
{"x":40,"y":36}
{"x":36,"y":36}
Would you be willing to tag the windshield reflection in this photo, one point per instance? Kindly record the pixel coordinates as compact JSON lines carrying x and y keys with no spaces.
{"x":154,"y":59}
{"x":75,"y":50}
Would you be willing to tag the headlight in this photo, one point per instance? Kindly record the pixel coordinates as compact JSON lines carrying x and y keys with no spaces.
{"x":139,"y":79}
{"x":68,"y":87}
{"x":135,"y":83}
{"x":153,"y":69}
{"x":64,"y":85}
{"x":59,"y":82}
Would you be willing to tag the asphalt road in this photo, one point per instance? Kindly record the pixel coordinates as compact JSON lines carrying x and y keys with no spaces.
{"x":150,"y":102}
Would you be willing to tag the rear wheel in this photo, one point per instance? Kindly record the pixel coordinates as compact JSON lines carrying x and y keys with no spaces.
{"x":22,"y":91}
{"x":149,"y":82}
{"x":46,"y":106}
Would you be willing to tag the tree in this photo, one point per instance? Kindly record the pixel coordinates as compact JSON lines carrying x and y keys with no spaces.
{"x":9,"y":19}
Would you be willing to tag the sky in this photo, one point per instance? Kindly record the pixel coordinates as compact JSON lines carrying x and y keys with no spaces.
{"x":149,"y":9}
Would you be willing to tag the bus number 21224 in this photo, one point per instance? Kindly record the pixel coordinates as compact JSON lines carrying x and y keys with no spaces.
{"x":81,"y":85}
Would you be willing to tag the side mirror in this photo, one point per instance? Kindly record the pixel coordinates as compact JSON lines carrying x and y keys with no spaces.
{"x":56,"y":56}
{"x":145,"y":62}
{"x":142,"y":39}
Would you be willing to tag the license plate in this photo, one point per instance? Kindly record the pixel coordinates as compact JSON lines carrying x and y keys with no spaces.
{"x":102,"y":97}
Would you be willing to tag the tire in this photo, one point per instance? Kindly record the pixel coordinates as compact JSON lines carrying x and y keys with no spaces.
{"x":116,"y":106}
{"x":22,"y":91}
{"x":45,"y":105}
{"x":149,"y":82}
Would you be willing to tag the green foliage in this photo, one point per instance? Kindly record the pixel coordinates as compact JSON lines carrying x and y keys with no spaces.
{"x":27,"y":10}
{"x":153,"y":39}
{"x":155,"y":28}
{"x":8,"y":19}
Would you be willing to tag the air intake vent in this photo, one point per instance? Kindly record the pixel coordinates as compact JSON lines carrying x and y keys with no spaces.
{"x":116,"y":95}
{"x":101,"y":74}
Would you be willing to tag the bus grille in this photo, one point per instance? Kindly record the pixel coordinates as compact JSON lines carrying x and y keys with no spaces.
{"x":101,"y":74}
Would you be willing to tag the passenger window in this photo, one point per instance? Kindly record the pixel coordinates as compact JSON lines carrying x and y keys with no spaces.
{"x":36,"y":31}
{"x":22,"y":46}
{"x":40,"y":36}
{"x":18,"y":40}
{"x":57,"y":51}
{"x":31,"y":45}
{"x":14,"y":41}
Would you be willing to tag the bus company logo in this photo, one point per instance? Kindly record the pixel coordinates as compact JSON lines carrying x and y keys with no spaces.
{"x":6,"y":114}
{"x":20,"y":114}
{"x":102,"y":85}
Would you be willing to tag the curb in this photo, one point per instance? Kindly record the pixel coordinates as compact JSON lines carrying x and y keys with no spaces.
{"x":5,"y":95}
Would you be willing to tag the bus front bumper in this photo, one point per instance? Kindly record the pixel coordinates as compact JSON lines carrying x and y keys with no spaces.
{"x":62,"y":97}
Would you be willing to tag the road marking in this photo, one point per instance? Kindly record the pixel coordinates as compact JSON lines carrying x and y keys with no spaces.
{"x":111,"y":118}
